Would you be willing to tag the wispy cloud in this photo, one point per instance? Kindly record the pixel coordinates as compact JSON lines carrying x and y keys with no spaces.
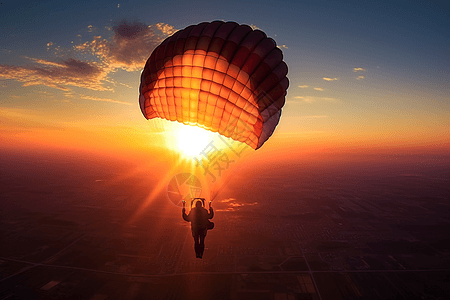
{"x":166,"y":28}
{"x":359,"y":69}
{"x":47,"y":63}
{"x":228,"y":200}
{"x":128,"y":48}
{"x":291,"y":102}
{"x":303,"y":86}
{"x":59,"y":75}
{"x":233,"y":204}
{"x":360,"y":77}
{"x":318,"y":89}
{"x":85,"y":97}
{"x":310,"y":99}
{"x":283,"y":46}
{"x":330,"y":79}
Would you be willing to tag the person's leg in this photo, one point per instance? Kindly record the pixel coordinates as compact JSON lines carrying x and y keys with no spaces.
{"x":196,"y":244}
{"x":202,"y":244}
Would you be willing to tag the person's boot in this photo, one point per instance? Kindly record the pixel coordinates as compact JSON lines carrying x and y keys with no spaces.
{"x":202,"y":248}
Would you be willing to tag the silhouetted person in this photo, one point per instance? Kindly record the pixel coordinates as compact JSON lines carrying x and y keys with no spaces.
{"x":199,"y":218}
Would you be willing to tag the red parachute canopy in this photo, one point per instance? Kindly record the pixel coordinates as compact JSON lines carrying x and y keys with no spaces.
{"x":220,"y":76}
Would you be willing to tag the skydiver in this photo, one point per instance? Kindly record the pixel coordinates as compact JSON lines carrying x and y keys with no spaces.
{"x":199,"y":218}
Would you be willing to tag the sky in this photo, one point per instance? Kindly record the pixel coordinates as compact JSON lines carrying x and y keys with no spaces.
{"x":364,"y":75}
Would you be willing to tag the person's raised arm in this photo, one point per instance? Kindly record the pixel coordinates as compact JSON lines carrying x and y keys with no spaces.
{"x":183,"y":211}
{"x":211,"y":211}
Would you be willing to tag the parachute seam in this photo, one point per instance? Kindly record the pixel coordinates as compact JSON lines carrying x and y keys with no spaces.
{"x":205,"y":24}
{"x":182,"y":54}
{"x":196,"y":47}
{"x":245,"y":61}
{"x":221,"y":49}
{"x":273,"y":88}
{"x":229,"y":63}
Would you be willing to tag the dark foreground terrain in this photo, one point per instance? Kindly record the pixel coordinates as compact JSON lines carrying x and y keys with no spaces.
{"x":80,"y":230}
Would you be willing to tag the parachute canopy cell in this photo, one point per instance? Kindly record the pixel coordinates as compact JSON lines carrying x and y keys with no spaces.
{"x":221,"y":76}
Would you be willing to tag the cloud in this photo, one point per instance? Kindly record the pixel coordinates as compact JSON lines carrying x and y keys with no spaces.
{"x":103,"y":99}
{"x":47,"y":63}
{"x":228,"y":200}
{"x":130,"y":46}
{"x":358,"y":70}
{"x":310,"y":99}
{"x":318,"y":89}
{"x":306,"y":99}
{"x":303,"y":86}
{"x":330,"y":79}
{"x":254,"y":27}
{"x":59,"y":75}
{"x":291,"y":101}
{"x":88,"y":64}
{"x":166,"y":28}
{"x":233,"y":204}
{"x":360,"y":77}
{"x":283,"y":46}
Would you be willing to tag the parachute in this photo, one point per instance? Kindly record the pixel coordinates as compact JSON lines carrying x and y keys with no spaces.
{"x":220,"y":76}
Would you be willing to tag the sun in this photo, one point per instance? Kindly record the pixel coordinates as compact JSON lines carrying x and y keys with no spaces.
{"x":187,"y":140}
{"x":193,"y":140}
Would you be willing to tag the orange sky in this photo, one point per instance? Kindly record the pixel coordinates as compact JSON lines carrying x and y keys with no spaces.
{"x":25,"y":130}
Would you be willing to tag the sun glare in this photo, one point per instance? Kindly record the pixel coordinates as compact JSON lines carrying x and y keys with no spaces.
{"x":193,"y":140}
{"x":189,"y":140}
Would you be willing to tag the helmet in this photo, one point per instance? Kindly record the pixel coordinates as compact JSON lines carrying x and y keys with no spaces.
{"x":199,"y":202}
